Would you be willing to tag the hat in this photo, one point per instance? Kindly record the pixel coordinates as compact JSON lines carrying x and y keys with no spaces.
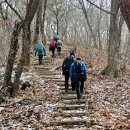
{"x":72,"y":53}
{"x":78,"y":58}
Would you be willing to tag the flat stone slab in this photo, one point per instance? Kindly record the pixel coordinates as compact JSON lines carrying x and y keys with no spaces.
{"x":69,"y":97}
{"x":42,"y":67}
{"x":69,"y":102}
{"x":71,"y":114}
{"x":67,"y":122}
{"x":48,"y":73}
{"x":55,"y":80}
{"x":74,"y":107}
{"x":50,"y":77}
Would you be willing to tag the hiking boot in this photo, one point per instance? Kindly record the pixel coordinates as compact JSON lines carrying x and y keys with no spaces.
{"x":79,"y":97}
{"x":73,"y":89}
{"x":66,"y":91}
{"x":82,"y":92}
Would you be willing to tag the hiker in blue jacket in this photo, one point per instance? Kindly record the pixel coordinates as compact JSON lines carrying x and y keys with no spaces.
{"x":40,"y":51}
{"x":78,"y":74}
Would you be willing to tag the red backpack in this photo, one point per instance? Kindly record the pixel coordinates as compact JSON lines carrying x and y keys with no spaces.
{"x":52,"y":44}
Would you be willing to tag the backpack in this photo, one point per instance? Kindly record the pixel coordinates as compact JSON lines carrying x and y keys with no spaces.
{"x":52,"y":44}
{"x":40,"y":50}
{"x":78,"y":68}
{"x":68,"y":62}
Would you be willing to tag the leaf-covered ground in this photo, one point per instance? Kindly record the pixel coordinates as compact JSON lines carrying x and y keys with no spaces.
{"x":36,"y":104}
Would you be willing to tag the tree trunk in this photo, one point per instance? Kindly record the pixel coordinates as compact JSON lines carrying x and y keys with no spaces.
{"x":99,"y":26}
{"x":89,"y":25}
{"x":38,"y":22}
{"x":120,"y":28}
{"x":57,"y":23}
{"x":113,"y":47}
{"x":28,"y":46}
{"x":11,"y":56}
{"x":26,"y":37}
{"x":43,"y":22}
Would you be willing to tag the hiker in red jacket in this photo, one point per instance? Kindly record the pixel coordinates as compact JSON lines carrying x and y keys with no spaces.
{"x":52,"y":47}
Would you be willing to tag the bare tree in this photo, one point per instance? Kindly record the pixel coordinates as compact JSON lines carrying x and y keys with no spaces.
{"x":43,"y":22}
{"x":38,"y":23}
{"x":24,"y":24}
{"x":26,"y":45}
{"x":56,"y":7}
{"x":87,"y":20}
{"x":114,"y":40}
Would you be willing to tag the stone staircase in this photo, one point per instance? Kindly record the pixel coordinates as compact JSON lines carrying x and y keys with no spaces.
{"x":70,"y":113}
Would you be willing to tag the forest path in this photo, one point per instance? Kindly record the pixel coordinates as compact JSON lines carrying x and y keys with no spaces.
{"x":70,"y":113}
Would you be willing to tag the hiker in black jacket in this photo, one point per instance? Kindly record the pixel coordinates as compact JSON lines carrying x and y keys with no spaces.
{"x":65,"y":69}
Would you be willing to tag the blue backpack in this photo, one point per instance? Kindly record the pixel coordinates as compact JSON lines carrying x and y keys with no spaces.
{"x":78,"y":67}
{"x":40,"y":49}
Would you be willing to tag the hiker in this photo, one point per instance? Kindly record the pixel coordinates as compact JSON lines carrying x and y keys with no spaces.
{"x":52,"y":47}
{"x":41,"y":52}
{"x":65,"y":69}
{"x":78,"y":73}
{"x":56,"y":38}
{"x":58,"y":46}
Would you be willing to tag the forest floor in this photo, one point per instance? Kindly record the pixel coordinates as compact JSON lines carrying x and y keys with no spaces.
{"x":34,"y":105}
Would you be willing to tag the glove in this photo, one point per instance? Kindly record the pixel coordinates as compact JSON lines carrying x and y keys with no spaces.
{"x":35,"y":54}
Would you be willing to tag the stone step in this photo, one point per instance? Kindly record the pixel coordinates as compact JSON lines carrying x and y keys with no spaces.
{"x":42,"y":67}
{"x":44,"y":64}
{"x":67,"y":122}
{"x":48,"y":73}
{"x":44,"y":71}
{"x":70,"y":97}
{"x":70,"y":107}
{"x":69,"y":102}
{"x":50,"y":77}
{"x":70,"y":114}
{"x":63,"y":88}
{"x":55,"y":80}
{"x":69,"y":92}
{"x":47,"y":58}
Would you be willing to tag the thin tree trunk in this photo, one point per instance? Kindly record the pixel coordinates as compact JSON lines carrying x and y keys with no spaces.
{"x":43,"y":22}
{"x":38,"y":23}
{"x":57,"y":27}
{"x":28,"y":46}
{"x":11,"y":56}
{"x":26,"y":36}
{"x":89,"y":25}
{"x":120,"y":28}
{"x":113,"y":48}
{"x":99,"y":26}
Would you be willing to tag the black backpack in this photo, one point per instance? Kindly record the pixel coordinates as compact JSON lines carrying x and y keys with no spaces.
{"x":69,"y":60}
{"x":78,"y":67}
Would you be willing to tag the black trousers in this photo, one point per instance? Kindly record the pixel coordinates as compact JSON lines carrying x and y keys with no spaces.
{"x":40,"y":57}
{"x":66,"y":82}
{"x":59,"y":50}
{"x":79,"y":84}
{"x":53,"y":52}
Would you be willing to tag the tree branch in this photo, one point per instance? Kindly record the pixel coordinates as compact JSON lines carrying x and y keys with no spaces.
{"x":99,"y":7}
{"x":16,"y":12}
